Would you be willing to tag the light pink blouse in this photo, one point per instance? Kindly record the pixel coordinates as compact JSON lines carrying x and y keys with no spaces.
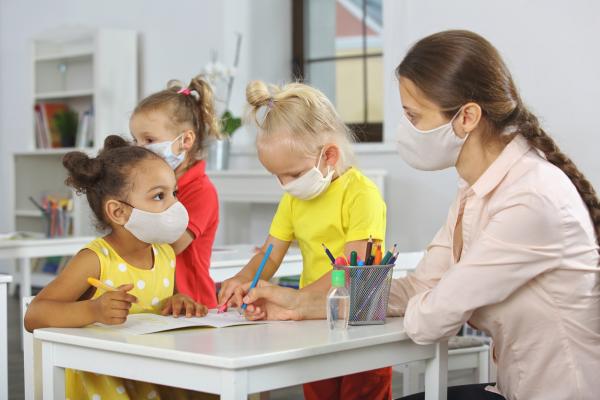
{"x":528,"y":276}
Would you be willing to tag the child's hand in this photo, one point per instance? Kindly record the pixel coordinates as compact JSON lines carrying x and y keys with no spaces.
{"x":112,"y":308}
{"x":180,"y":304}
{"x":231,"y":292}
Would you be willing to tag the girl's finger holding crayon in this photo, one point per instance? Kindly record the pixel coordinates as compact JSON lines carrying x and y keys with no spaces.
{"x":126,"y":287}
{"x":236,"y":298}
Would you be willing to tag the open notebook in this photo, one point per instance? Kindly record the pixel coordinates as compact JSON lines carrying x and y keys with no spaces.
{"x":141,"y":324}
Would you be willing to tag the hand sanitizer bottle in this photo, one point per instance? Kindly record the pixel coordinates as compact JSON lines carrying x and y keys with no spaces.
{"x":338,"y":302}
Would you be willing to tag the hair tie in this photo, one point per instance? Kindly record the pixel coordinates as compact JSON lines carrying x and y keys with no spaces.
{"x":271,"y":103}
{"x":189,"y":92}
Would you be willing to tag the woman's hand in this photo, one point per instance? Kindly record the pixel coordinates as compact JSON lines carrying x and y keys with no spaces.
{"x":232,"y":291}
{"x":180,"y":304}
{"x":267,"y":301}
{"x":112,"y":308}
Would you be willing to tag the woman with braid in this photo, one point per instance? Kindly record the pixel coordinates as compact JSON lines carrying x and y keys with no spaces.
{"x":518,"y":254}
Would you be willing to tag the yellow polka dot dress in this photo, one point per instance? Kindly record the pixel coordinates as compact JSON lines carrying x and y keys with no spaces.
{"x":151,"y":287}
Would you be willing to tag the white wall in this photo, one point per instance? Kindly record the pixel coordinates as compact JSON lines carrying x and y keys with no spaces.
{"x":552,"y":50}
{"x":175,"y":39}
{"x":550,"y":46}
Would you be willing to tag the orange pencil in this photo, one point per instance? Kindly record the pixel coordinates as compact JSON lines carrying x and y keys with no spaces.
{"x":378,"y":255}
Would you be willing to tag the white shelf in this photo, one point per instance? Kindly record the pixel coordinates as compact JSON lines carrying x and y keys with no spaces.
{"x":64,"y":95}
{"x":65,"y":56}
{"x":60,"y":151}
{"x":100,"y":72}
{"x":28,"y":213}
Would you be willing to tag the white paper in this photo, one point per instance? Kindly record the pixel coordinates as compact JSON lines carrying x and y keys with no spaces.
{"x":141,"y":324}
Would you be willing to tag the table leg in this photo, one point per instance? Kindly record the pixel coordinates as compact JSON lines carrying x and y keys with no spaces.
{"x":53,"y":376}
{"x":25,"y":268}
{"x":436,"y":373}
{"x":235,"y":385}
{"x":3,"y":345}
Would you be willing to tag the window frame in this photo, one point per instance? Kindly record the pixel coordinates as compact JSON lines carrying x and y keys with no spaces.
{"x":366,"y":132}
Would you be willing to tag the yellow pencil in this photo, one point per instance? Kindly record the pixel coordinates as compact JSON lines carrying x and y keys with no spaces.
{"x":107,"y":288}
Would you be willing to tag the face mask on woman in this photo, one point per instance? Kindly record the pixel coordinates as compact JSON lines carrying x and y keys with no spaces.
{"x":311,"y":184}
{"x":430,"y":150}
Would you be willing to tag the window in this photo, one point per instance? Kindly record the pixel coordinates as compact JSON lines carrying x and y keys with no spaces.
{"x":337,"y":48}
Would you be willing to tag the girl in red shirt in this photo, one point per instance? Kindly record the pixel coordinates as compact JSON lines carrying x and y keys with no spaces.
{"x":174,"y":123}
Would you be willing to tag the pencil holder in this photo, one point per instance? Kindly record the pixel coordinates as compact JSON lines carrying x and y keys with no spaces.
{"x":369,"y":288}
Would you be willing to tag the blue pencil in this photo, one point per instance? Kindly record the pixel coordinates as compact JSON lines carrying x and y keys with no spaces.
{"x":259,"y":271}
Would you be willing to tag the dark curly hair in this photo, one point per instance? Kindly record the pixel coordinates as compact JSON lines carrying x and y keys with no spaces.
{"x":106,"y":175}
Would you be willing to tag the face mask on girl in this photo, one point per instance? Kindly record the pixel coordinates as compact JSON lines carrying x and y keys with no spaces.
{"x":162,"y":227}
{"x":164,"y":149}
{"x":311,"y":184}
{"x":430,"y":150}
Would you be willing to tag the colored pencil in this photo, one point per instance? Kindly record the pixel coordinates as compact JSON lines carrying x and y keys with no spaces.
{"x":331,"y":257}
{"x":259,"y":271}
{"x":369,"y":248}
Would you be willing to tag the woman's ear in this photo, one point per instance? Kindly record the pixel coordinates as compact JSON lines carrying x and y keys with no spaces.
{"x":468,"y":119}
{"x":187,"y":140}
{"x":331,"y":154}
{"x":117,"y":212}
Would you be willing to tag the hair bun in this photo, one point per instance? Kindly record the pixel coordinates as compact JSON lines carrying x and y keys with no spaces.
{"x":258,"y":94}
{"x":114,"y":142}
{"x":84,"y":172}
{"x":175,"y":84}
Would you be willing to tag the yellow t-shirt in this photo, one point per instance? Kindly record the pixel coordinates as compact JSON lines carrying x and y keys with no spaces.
{"x":151,"y":287}
{"x":350,"y":209}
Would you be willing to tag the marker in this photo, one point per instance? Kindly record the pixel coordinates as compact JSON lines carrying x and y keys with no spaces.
{"x":387,"y":258}
{"x":370,"y":260}
{"x":107,"y":288}
{"x":331,"y":257}
{"x":222,"y":308}
{"x":369,"y":248}
{"x":361,"y":263}
{"x":259,"y":271}
{"x":353,"y":258}
{"x":341,"y":261}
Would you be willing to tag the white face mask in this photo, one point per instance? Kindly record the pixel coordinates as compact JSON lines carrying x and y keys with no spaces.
{"x":311,"y":184}
{"x":164,"y":149}
{"x":161,"y":227}
{"x":430,"y":150}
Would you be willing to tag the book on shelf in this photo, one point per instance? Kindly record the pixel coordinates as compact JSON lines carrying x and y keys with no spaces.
{"x":58,"y":126}
{"x":85,"y":133}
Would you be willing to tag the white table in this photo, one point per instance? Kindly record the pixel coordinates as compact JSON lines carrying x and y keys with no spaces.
{"x":4,"y":280}
{"x":25,"y":249}
{"x":234,"y":362}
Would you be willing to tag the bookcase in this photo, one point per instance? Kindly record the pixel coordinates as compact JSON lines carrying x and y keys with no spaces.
{"x":85,"y":70}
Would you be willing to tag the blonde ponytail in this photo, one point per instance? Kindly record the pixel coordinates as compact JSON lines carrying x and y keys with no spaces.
{"x":207,"y":117}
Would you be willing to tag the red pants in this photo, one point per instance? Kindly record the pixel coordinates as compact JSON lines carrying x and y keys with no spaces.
{"x":371,"y":385}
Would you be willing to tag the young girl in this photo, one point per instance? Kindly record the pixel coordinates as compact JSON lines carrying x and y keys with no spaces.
{"x":132,"y":193}
{"x":175,"y":123}
{"x":303,"y":142}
